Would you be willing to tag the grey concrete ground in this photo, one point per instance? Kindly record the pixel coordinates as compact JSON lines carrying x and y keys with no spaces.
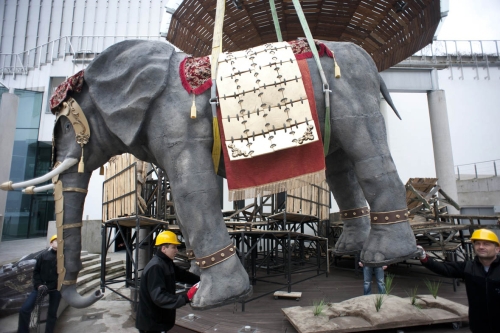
{"x":13,"y":250}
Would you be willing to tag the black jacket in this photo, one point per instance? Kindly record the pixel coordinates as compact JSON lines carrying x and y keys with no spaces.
{"x":45,"y":271}
{"x":483,"y":290}
{"x":157,"y":298}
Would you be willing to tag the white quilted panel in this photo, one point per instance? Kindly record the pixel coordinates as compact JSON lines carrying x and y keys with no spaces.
{"x":266,"y":79}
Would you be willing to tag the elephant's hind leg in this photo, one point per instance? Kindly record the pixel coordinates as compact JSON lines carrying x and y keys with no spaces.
{"x":344,"y":185}
{"x":392,"y":240}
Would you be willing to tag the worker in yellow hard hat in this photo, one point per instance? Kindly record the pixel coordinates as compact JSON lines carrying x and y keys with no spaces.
{"x":482,"y":279}
{"x":157,"y":294}
{"x":44,"y":282}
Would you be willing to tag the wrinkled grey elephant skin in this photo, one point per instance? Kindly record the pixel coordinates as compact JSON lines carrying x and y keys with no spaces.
{"x":135,"y":103}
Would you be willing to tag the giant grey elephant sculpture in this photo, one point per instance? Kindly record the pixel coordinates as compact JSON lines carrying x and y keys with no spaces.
{"x":134,"y":102}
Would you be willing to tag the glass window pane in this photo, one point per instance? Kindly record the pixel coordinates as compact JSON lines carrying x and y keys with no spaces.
{"x":24,"y":154}
{"x":28,"y":112}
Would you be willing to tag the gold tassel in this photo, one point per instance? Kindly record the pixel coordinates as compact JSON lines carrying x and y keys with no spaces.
{"x":193,"y":109}
{"x":337,"y":70}
{"x":81,"y":166}
{"x":217,"y":144}
{"x":101,"y":170}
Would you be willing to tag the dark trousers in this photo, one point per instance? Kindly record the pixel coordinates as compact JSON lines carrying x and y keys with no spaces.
{"x":29,"y":305}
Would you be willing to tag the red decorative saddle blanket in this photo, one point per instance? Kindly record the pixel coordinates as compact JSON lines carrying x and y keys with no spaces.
{"x":195,"y":72}
{"x":73,"y":83}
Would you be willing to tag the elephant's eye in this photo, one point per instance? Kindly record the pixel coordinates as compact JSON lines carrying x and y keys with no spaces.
{"x":67,"y":126}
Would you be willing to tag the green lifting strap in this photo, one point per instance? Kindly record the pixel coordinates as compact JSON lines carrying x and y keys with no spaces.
{"x":326,"y":88}
{"x":275,"y":20}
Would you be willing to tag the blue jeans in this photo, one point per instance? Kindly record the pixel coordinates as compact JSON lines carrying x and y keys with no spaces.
{"x":29,"y":305}
{"x":367,"y":276}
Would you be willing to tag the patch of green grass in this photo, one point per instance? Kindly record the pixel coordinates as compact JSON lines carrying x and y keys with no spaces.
{"x":389,"y":283}
{"x":433,"y":286}
{"x":379,"y":300}
{"x":319,"y":306}
{"x":413,"y":297}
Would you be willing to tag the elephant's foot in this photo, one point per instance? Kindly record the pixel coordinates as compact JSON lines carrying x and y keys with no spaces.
{"x":388,"y":244}
{"x":353,"y":237}
{"x":224,"y":283}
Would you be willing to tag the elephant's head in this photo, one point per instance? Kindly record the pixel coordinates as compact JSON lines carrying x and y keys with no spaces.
{"x":103,"y":120}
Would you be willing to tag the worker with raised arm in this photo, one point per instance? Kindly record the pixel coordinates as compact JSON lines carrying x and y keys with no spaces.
{"x":482,"y":279}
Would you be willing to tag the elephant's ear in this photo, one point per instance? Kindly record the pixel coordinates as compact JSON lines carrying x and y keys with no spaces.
{"x":124,"y":80}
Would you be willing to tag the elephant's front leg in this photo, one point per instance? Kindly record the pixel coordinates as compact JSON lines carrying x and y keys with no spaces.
{"x":196,"y":194}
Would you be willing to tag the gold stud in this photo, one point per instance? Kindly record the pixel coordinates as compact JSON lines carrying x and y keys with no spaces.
{"x":345,"y":214}
{"x":198,"y":263}
{"x":375,"y":218}
{"x":406,"y":214}
{"x":222,"y":254}
{"x":397,"y":215}
{"x":387,"y":218}
{"x":213,"y":259}
{"x":203,"y":262}
{"x":362,"y":212}
{"x":231,"y":249}
{"x":354,"y":213}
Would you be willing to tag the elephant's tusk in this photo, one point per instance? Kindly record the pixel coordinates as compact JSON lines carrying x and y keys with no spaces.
{"x":66,"y":164}
{"x":33,"y":189}
{"x":74,"y":299}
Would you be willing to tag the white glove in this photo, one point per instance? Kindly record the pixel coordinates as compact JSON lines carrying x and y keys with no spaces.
{"x":423,"y":255}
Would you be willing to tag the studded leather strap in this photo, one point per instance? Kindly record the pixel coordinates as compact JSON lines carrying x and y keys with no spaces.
{"x":216,"y":257}
{"x":354,"y":213}
{"x":190,"y":254}
{"x":394,"y":216}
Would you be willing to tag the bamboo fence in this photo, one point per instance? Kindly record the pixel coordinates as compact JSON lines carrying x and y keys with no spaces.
{"x":120,"y":194}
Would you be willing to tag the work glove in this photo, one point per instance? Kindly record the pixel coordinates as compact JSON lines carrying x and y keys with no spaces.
{"x":421,"y":250}
{"x":192,"y":291}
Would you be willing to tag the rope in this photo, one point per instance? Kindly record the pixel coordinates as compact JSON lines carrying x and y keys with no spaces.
{"x":326,"y":88}
{"x":35,"y":314}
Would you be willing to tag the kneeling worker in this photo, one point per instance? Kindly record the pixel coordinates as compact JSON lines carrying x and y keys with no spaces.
{"x":482,"y":279}
{"x":157,"y":297}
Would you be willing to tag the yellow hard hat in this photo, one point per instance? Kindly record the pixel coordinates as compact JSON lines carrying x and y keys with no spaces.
{"x":52,"y":238}
{"x":166,"y":237}
{"x":485,"y":235}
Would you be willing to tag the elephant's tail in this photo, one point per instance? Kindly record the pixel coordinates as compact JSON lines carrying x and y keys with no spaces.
{"x":387,"y":96}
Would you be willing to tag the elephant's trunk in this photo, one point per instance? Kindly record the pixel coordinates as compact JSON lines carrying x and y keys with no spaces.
{"x":74,"y":299}
{"x":70,"y":191}
{"x":65,"y":165}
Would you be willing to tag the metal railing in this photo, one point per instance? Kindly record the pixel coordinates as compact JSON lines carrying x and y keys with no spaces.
{"x":86,"y":46}
{"x":441,"y":53}
{"x":478,"y":54}
{"x":477,"y":170}
{"x":476,"y":49}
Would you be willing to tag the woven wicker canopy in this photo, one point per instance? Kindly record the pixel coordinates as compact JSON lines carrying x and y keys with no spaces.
{"x":375,"y":25}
